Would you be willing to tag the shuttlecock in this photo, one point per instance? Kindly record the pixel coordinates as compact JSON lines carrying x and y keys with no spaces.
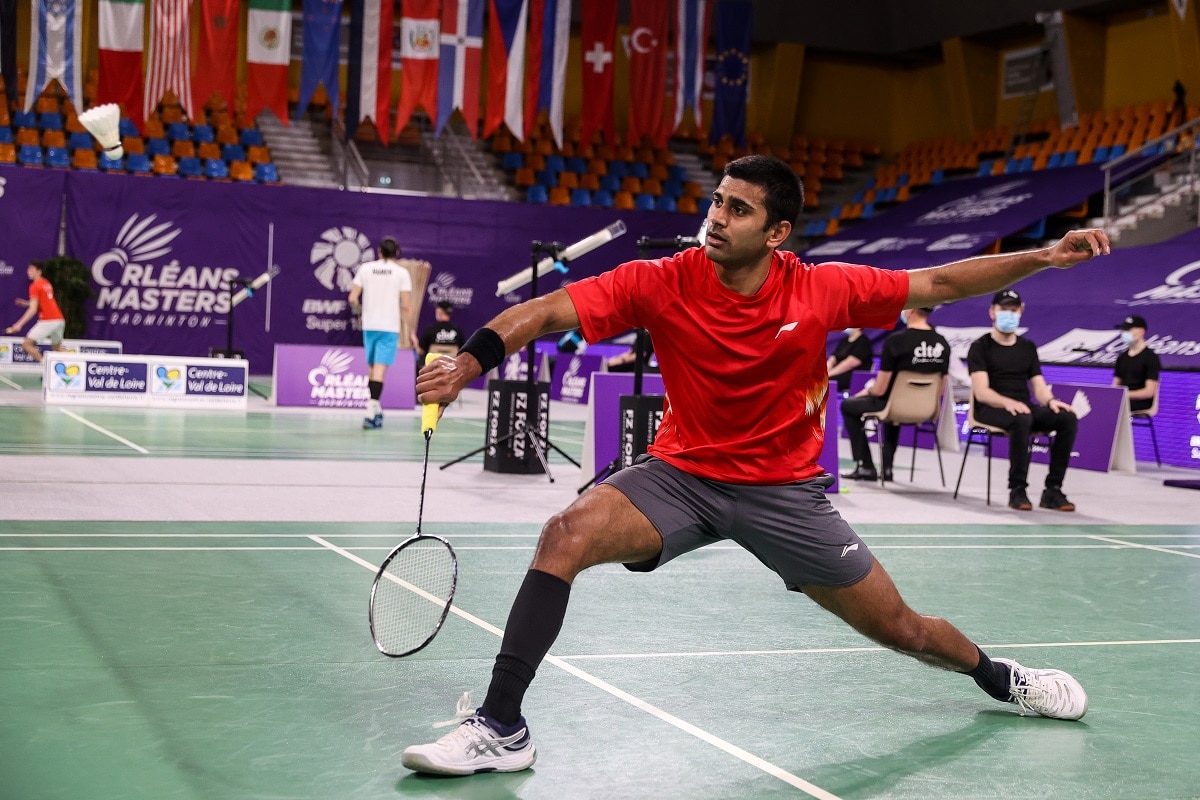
{"x":104,"y":122}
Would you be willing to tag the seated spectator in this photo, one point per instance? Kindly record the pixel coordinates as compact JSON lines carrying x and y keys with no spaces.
{"x":853,"y":352}
{"x":1004,"y":366}
{"x":440,"y":337}
{"x":1138,"y":367}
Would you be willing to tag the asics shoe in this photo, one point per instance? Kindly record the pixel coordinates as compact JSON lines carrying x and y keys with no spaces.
{"x":373,"y":423}
{"x":477,"y":745}
{"x":1049,"y":692}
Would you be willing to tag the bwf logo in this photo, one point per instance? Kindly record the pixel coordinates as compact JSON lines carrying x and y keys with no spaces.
{"x":337,"y":255}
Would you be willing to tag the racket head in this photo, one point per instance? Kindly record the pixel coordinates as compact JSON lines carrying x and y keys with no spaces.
{"x":412,"y":594}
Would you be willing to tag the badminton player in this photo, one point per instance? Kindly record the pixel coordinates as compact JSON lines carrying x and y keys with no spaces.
{"x":384,"y":286}
{"x":739,"y":328}
{"x":50,"y":321}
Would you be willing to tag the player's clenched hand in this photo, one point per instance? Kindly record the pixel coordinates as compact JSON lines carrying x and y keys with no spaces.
{"x":441,"y":380}
{"x":1079,"y":246}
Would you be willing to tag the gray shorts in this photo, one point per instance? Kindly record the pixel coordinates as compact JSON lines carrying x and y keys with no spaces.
{"x":792,"y":529}
{"x":48,"y":329}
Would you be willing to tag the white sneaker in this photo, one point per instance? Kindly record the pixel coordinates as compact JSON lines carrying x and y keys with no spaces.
{"x":474,"y":746}
{"x":1049,"y":692}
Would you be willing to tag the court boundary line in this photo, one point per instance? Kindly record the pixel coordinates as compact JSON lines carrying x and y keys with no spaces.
{"x":1140,"y":546}
{"x":749,"y":758}
{"x":105,"y":431}
{"x":13,"y":384}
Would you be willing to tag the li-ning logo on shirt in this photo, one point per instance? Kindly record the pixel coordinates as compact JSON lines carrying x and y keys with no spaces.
{"x":850,"y":548}
{"x":791,"y":326}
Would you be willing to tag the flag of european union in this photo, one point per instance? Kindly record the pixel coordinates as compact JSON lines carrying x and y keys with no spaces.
{"x":731,"y":93}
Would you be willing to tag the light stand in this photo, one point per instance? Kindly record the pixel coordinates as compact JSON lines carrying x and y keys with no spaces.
{"x":637,"y":399}
{"x":539,"y":441}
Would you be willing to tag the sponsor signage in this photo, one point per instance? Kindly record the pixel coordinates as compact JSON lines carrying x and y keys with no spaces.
{"x":337,"y":377}
{"x":513,"y":412}
{"x":153,"y":381}
{"x":14,"y":358}
{"x":573,"y":376}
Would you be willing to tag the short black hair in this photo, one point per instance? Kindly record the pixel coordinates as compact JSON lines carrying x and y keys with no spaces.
{"x":446,"y":305}
{"x":388,"y":248}
{"x":785,"y":192}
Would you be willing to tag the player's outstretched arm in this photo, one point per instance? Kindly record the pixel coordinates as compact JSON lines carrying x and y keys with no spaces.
{"x":981,"y":275}
{"x":443,"y":379}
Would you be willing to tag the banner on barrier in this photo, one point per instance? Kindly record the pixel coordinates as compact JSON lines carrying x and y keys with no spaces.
{"x":145,"y":381}
{"x":337,"y":377}
{"x":13,"y":356}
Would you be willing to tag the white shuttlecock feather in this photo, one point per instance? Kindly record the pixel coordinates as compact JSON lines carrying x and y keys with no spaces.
{"x":104,"y":122}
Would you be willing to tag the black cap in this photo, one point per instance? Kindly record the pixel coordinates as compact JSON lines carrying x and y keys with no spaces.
{"x":446,"y":305}
{"x":1132,"y":321}
{"x":1006,"y":297}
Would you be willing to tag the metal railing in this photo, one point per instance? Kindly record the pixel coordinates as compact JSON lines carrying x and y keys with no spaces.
{"x":347,"y":161}
{"x":1122,"y":172}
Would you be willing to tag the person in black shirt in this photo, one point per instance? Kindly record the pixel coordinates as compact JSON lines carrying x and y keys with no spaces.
{"x":443,"y":334}
{"x":1003,"y":367}
{"x":1138,"y":367}
{"x":918,"y":348}
{"x":853,"y":352}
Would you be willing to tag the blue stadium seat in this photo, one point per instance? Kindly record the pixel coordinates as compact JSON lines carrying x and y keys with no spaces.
{"x":24,"y":119}
{"x":672,"y":188}
{"x":985,"y":169}
{"x":127,"y":128}
{"x":602,"y":198}
{"x":1100,"y":155}
{"x":1116,"y":151}
{"x":81,"y":140}
{"x":902,"y":180}
{"x":189,"y":167}
{"x":581,"y":197}
{"x":215,"y":168}
{"x":1055,"y":160}
{"x":158,"y":147}
{"x":51,"y":121}
{"x":137,"y":162}
{"x":537,"y":194}
{"x":547,"y":178}
{"x":639,"y":170}
{"x":702,"y":205}
{"x":610,"y":183}
{"x":556,"y":163}
{"x":233,"y":152}
{"x":30,"y":155}
{"x":513,"y":160}
{"x":1012,"y":165}
{"x":57,"y":157}
{"x":1026,"y":164}
{"x":677,"y":173}
{"x":179,"y":131}
{"x":577,"y":164}
{"x":644,"y":202}
{"x":111,"y":164}
{"x":202,"y":133}
{"x":266,"y":173}
{"x":618,"y":169}
{"x":250,"y":137}
{"x":666,"y":203}
{"x":868,"y":210}
{"x":1071,"y":158}
{"x":937,"y":177}
{"x":6,"y":135}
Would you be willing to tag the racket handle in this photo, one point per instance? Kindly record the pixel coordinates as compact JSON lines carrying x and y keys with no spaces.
{"x":429,"y":411}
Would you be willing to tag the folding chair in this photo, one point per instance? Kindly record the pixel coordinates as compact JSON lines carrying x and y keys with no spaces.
{"x":915,"y":400}
{"x":1145,"y":419}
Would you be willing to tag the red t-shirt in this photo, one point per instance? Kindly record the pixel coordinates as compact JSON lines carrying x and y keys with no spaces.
{"x":745,"y":377}
{"x":41,"y":291}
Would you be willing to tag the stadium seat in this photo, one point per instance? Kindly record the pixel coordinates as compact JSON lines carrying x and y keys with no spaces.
{"x":241,"y":171}
{"x":81,"y":141}
{"x":258,"y":154}
{"x":6,"y":135}
{"x":233,"y":152}
{"x":602,"y":198}
{"x":537,"y":194}
{"x":165,"y":166}
{"x":581,"y":197}
{"x":84,"y":159}
{"x":216,"y":169}
{"x":577,"y":165}
{"x":639,"y":169}
{"x":58,"y":157}
{"x":24,"y":119}
{"x":30,"y":155}
{"x":126,"y":128}
{"x":158,"y":147}
{"x":556,"y":163}
{"x":266,"y":173}
{"x":672,"y":188}
{"x":644,"y":202}
{"x":177,"y":131}
{"x":513,"y":161}
{"x":250,"y":137}
{"x":618,"y":169}
{"x":666,"y":203}
{"x":547,"y":178}
{"x":560,"y":196}
{"x":111,"y":164}
{"x":51,"y":121}
{"x":189,"y":167}
{"x":202,"y":133}
{"x":138,"y":162}
{"x":623,"y":201}
{"x":8,"y":153}
{"x":686,"y":205}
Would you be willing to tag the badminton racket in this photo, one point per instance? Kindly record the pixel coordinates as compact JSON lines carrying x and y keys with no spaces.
{"x":415,"y":584}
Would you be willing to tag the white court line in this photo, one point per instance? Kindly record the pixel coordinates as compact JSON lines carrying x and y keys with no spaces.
{"x":105,"y":431}
{"x":1146,"y":547}
{"x":13,"y":384}
{"x":864,"y":649}
{"x":139,"y":549}
{"x":670,"y":719}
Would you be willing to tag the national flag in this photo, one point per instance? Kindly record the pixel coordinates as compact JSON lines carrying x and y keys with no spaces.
{"x":419,"y":45}
{"x":120,"y":79}
{"x":733,"y":71}
{"x":8,"y":48}
{"x":546,"y":78}
{"x":216,"y":52}
{"x":461,"y":62}
{"x":170,"y":65}
{"x":55,"y":49}
{"x":598,"y":37}
{"x":691,"y":34}
{"x":322,"y":33}
{"x":506,"y":66}
{"x":648,"y":71}
{"x":369,"y":75}
{"x":268,"y":51}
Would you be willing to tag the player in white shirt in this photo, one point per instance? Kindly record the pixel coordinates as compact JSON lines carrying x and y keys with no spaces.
{"x":385,"y":288}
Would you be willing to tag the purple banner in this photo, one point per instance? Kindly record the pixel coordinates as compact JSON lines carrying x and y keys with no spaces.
{"x":30,"y":206}
{"x":162,"y":252}
{"x":959,"y":218}
{"x":573,"y":375}
{"x":324,"y":376}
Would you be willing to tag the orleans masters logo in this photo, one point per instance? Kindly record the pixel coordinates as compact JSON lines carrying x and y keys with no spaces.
{"x":140,"y":285}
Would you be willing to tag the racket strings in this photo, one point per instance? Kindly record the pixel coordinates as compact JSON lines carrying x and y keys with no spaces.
{"x":412,"y":595}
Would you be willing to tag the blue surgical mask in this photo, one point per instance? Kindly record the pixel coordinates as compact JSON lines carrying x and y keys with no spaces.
{"x":1126,"y":338}
{"x":1007,"y":321}
{"x":904,"y":318}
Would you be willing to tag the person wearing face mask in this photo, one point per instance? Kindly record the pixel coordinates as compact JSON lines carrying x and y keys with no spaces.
{"x":1138,"y":367}
{"x":1004,"y":367}
{"x":853,"y":352}
{"x":917,"y":348}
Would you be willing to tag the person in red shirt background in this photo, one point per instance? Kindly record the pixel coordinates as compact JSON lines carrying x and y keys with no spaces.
{"x":739,"y":328}
{"x":50,"y":324}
